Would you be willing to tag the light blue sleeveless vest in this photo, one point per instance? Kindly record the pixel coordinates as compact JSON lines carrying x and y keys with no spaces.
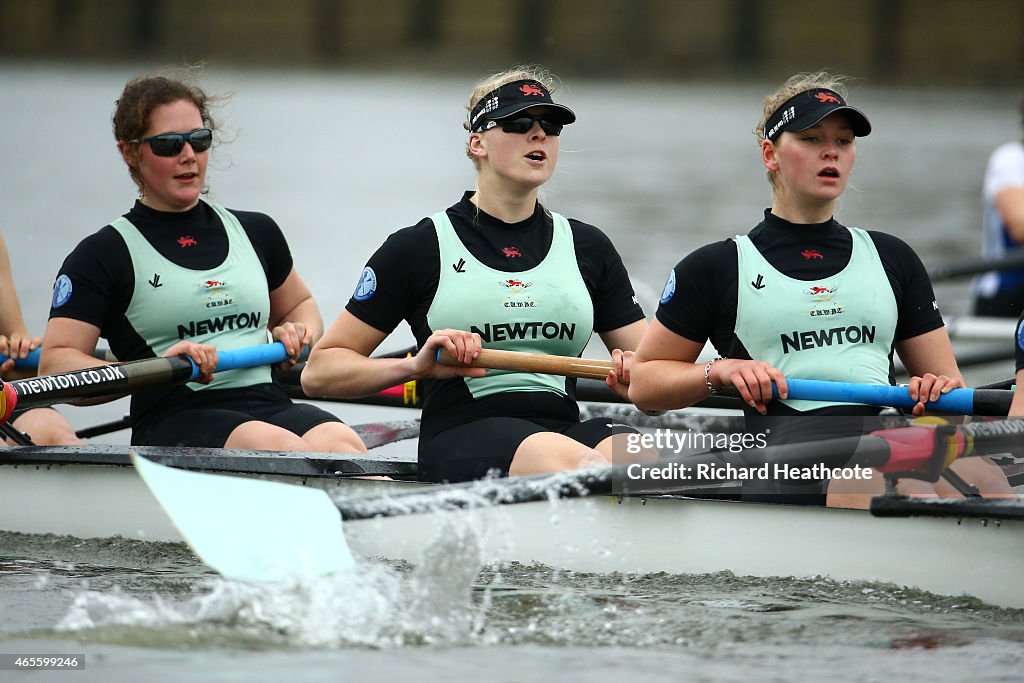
{"x":839,"y":328}
{"x":546,"y":309}
{"x":227,"y":306}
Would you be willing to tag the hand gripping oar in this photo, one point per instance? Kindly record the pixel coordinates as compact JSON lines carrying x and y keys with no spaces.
{"x":956,"y":402}
{"x":29,"y":362}
{"x":124,"y":377}
{"x":517,"y":361}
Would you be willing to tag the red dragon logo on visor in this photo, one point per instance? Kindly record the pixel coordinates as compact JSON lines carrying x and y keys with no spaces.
{"x":187,"y":241}
{"x":528,"y":89}
{"x":824,"y":97}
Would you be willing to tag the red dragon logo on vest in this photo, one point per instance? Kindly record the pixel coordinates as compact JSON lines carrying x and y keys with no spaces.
{"x":529,"y":89}
{"x":187,"y":241}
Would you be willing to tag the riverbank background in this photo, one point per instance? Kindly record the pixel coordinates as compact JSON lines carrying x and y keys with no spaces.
{"x":889,"y":41}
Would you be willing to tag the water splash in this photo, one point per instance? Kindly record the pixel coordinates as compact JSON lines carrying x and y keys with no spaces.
{"x":376,"y":605}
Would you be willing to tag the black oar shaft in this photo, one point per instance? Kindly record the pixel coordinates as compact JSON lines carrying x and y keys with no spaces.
{"x":104,"y":428}
{"x":103,"y":380}
{"x":117,"y":378}
{"x":992,"y":402}
{"x":967,"y":267}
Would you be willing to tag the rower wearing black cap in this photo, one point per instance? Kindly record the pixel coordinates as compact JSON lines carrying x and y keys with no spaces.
{"x":803,"y":296}
{"x":497,"y":270}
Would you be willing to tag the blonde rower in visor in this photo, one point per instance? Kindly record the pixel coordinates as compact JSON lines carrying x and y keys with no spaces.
{"x":802,"y":295}
{"x":497,"y":269}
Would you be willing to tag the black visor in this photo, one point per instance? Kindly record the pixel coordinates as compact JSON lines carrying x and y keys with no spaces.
{"x":515,"y":97}
{"x":806,"y":109}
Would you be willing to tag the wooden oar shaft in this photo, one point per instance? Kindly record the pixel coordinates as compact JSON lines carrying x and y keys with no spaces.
{"x":516,"y":361}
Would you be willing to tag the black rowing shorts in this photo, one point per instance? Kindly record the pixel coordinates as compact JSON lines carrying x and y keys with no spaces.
{"x":208,"y":419}
{"x":470,"y":451}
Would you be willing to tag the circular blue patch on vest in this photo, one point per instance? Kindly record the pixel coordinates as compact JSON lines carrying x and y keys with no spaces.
{"x":367,"y":285}
{"x":61,"y":291}
{"x":1020,"y":335}
{"x":670,"y":287}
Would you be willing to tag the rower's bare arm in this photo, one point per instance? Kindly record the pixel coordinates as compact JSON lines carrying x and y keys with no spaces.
{"x":294,"y":316}
{"x":68,"y":345}
{"x":666,"y":376}
{"x":11,"y":320}
{"x":1010,"y":204}
{"x":15,"y":339}
{"x":626,"y":338}
{"x":339,"y":364}
{"x":930,"y":361}
{"x":663,"y":374}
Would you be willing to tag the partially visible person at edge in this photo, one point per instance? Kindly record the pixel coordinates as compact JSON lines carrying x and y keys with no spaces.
{"x":1001,"y":293}
{"x":179,"y":275}
{"x":45,"y":426}
{"x":799,"y":276}
{"x":498,"y":270}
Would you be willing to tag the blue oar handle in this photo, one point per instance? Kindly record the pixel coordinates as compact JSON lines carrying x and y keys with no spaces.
{"x":246,"y":357}
{"x":227,"y":359}
{"x":29,"y":363}
{"x":957,"y":401}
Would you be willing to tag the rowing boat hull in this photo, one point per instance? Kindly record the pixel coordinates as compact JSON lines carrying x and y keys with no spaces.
{"x":949,"y":555}
{"x":94,"y":492}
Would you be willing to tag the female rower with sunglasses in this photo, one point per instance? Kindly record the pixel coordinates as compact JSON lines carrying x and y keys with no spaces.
{"x":803,"y":296}
{"x":496,"y":269}
{"x":178,"y":275}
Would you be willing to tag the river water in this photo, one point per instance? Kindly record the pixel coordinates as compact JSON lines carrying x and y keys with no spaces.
{"x":343,"y":159}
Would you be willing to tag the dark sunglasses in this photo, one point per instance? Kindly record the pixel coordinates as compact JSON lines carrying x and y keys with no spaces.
{"x":524,"y":124}
{"x":170,"y":144}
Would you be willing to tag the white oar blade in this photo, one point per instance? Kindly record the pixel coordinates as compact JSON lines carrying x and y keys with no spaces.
{"x":249,"y":529}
